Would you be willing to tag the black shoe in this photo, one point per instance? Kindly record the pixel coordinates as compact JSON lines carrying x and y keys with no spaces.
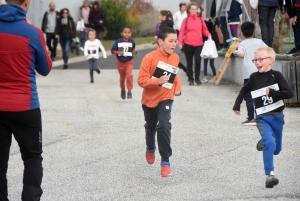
{"x":271,"y":181}
{"x":198,"y":82}
{"x":191,"y":83}
{"x":292,"y":51}
{"x":123,"y":94}
{"x":259,"y":145}
{"x":92,"y":81}
{"x":296,"y":53}
{"x":53,"y":58}
{"x":65,"y":66}
{"x":98,"y":70}
{"x":129,"y":95}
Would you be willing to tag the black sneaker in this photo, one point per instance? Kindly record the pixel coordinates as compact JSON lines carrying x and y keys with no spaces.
{"x":65,"y":66}
{"x":98,"y":70}
{"x":249,"y":122}
{"x":292,"y":51}
{"x":271,"y":181}
{"x":259,"y":145}
{"x":129,"y":95}
{"x":123,"y":94}
{"x":92,"y":81}
{"x":191,"y":83}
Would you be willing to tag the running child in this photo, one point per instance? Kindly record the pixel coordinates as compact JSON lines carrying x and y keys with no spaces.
{"x":91,"y":52}
{"x":158,"y":76}
{"x":268,"y":89}
{"x":124,"y":49}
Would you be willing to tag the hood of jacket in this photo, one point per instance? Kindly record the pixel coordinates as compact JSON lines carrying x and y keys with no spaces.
{"x":11,"y":13}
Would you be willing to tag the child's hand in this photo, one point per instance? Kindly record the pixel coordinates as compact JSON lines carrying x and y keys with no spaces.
{"x":177,"y":93}
{"x":267,"y":91}
{"x":237,"y":112}
{"x":163,"y":79}
{"x":134,"y":52}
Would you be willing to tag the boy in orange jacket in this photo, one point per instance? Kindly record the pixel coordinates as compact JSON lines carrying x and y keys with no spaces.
{"x":158,"y":76}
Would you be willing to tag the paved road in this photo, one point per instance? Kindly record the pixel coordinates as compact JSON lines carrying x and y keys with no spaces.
{"x":94,"y":144}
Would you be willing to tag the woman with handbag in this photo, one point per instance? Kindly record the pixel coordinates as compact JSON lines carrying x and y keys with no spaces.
{"x":191,"y":41}
{"x":84,"y":15}
{"x":97,"y":18}
{"x":66,"y":31}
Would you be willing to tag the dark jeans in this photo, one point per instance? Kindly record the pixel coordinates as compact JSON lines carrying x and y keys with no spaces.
{"x":296,"y":30}
{"x":65,"y":46}
{"x":266,"y":21}
{"x":249,"y":103}
{"x":27,"y":130}
{"x":225,"y":31}
{"x":49,"y":38}
{"x":93,"y":63}
{"x":74,"y":46}
{"x":158,"y":120}
{"x":191,"y":52}
{"x":211,"y":63}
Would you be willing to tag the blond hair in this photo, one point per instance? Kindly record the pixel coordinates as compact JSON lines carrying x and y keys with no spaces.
{"x":188,"y":7}
{"x":268,"y":51}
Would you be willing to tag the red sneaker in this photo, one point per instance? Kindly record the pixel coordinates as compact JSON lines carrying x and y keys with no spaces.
{"x":150,"y":157}
{"x":165,"y":171}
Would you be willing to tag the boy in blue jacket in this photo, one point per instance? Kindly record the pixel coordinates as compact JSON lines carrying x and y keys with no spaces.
{"x":124,"y":49}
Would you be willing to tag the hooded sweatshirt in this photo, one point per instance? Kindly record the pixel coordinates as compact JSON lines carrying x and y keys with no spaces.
{"x":22,"y":52}
{"x":192,"y":30}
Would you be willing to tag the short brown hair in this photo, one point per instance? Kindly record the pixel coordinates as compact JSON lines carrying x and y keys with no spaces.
{"x":190,"y":5}
{"x":15,"y":2}
{"x":182,"y":4}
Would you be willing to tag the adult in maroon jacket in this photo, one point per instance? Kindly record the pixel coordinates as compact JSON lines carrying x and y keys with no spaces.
{"x":22,"y":54}
{"x":191,"y":41}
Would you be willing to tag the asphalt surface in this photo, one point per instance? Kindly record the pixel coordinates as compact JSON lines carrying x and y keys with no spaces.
{"x":94,"y":144}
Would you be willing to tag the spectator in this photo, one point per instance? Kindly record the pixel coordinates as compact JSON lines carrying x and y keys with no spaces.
{"x":179,"y":16}
{"x":65,"y":31}
{"x":294,"y":14}
{"x":84,"y":14}
{"x":266,"y":13}
{"x":22,"y":54}
{"x":222,"y":7}
{"x":97,"y":19}
{"x":191,"y":40}
{"x":48,"y":27}
{"x":219,"y":39}
{"x":234,"y":17}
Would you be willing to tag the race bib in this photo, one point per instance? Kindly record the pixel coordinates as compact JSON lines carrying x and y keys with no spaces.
{"x":264,"y":103}
{"x":168,"y":70}
{"x":126,"y":48}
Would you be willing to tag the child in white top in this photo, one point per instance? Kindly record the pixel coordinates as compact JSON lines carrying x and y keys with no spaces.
{"x":91,"y":51}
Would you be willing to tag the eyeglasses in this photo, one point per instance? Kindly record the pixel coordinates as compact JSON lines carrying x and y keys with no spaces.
{"x":259,"y":60}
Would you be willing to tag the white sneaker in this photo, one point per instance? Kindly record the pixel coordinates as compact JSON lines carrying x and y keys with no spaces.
{"x":211,"y":80}
{"x":204,"y":80}
{"x":81,"y":48}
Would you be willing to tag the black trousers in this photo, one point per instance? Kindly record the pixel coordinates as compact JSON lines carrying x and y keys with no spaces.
{"x":49,"y":38}
{"x":225,"y":31}
{"x":158,"y":120}
{"x":190,"y":52}
{"x":213,"y":69}
{"x":27,"y":130}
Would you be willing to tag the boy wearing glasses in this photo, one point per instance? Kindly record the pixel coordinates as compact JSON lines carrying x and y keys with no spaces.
{"x":268,"y":89}
{"x":246,"y":50}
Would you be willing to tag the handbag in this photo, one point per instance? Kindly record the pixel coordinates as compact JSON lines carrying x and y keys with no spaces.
{"x":209,"y":50}
{"x":253,"y":3}
{"x":80,"y":25}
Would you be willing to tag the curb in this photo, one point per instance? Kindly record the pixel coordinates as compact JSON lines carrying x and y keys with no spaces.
{"x":108,"y":53}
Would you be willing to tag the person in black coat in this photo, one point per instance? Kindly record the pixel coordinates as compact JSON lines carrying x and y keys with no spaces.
{"x":65,"y":31}
{"x":97,"y":19}
{"x":294,"y":14}
{"x":48,"y":27}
